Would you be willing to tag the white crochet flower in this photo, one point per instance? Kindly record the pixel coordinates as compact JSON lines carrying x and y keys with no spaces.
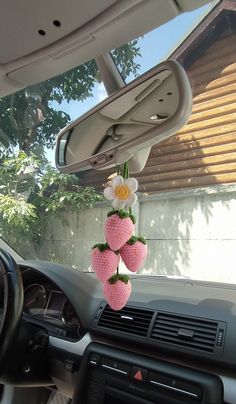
{"x":121,"y":192}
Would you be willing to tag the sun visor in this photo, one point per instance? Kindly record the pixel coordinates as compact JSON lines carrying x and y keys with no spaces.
{"x":59,"y":35}
{"x":96,"y":37}
{"x":29,"y":26}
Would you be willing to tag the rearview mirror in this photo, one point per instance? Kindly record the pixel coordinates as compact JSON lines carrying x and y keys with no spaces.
{"x":141,"y":114}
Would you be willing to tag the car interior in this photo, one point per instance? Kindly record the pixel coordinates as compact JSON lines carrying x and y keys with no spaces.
{"x":173,"y":342}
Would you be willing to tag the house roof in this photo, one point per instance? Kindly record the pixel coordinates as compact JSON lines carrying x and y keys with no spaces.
{"x":221,"y":18}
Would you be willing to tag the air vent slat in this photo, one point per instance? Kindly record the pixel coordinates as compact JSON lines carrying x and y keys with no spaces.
{"x":129,"y":320}
{"x":186,"y":344}
{"x":189,"y":324}
{"x":116,"y":323}
{"x":175,"y":337}
{"x":174,"y":333}
{"x":138,"y":321}
{"x":125,"y":321}
{"x":184,"y":331}
{"x":126,"y":313}
{"x":174,"y":330}
{"x":130,"y":331}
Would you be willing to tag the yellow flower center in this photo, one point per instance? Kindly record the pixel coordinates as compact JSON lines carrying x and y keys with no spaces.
{"x":122,"y":192}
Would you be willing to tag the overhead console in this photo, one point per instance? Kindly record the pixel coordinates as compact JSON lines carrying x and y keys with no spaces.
{"x":109,"y":375}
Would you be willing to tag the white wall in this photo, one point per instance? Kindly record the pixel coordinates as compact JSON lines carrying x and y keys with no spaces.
{"x":190,"y":233}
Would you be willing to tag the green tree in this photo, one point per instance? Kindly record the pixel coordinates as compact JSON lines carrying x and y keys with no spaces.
{"x":30,"y":121}
{"x":30,"y":192}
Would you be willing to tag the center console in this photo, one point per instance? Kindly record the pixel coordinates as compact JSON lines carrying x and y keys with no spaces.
{"x":112,"y":376}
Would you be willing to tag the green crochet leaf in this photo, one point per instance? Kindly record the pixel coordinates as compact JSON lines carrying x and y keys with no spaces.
{"x":118,"y":277}
{"x":101,"y":247}
{"x":104,"y":247}
{"x":134,"y":239}
{"x":122,"y":214}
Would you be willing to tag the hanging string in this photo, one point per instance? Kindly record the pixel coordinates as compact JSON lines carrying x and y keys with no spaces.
{"x":126,"y":176}
{"x":126,"y":171}
{"x":118,"y":173}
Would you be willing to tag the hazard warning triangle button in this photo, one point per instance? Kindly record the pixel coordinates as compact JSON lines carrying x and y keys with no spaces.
{"x":139,"y":374}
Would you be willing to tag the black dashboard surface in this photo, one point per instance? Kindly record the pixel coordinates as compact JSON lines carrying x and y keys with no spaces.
{"x":210,"y":302}
{"x":190,"y":302}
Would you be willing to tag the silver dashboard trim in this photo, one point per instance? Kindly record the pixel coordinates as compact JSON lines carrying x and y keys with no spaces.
{"x":174,"y":389}
{"x":114,"y":369}
{"x":77,"y":347}
{"x":229,"y":388}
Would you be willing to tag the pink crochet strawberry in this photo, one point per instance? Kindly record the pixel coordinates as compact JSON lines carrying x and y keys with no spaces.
{"x":119,"y":228}
{"x":133,"y":253}
{"x":117,"y":291}
{"x":104,"y":261}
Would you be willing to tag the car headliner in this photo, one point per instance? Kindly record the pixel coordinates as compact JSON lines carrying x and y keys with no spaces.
{"x":59,"y":36}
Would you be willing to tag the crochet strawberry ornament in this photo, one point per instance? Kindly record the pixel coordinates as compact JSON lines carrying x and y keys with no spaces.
{"x":120,"y":242}
{"x":104,"y":261}
{"x":134,"y":252}
{"x":117,"y":291}
{"x":119,"y":228}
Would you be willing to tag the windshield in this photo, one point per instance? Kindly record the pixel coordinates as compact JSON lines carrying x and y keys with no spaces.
{"x":187,"y":192}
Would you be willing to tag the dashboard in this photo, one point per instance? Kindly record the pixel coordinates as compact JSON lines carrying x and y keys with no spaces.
{"x":177,"y":337}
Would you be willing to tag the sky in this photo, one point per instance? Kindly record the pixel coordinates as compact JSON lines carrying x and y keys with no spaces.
{"x":155,"y":47}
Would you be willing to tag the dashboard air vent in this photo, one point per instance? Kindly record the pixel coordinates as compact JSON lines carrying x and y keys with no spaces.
{"x":187,"y":332}
{"x":129,"y":320}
